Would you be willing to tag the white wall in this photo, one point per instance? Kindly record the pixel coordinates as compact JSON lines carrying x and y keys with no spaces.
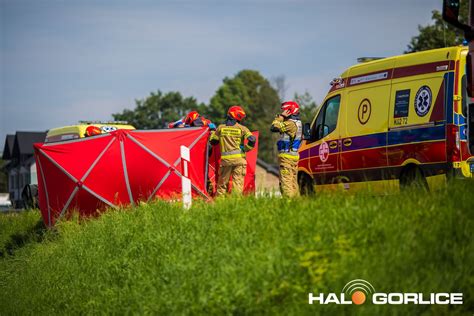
{"x":33,"y":175}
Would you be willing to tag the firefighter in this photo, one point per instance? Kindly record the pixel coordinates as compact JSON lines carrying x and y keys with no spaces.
{"x":193,"y":119}
{"x":231,"y":136}
{"x":177,"y":124}
{"x":288,"y":124}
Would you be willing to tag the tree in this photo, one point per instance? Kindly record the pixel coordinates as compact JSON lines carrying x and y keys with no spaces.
{"x":260,"y":100}
{"x":158,"y":109}
{"x":440,"y":34}
{"x":308,"y":106}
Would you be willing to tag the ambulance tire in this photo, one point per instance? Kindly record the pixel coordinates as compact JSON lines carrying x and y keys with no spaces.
{"x":412,"y":178}
{"x":305,"y":184}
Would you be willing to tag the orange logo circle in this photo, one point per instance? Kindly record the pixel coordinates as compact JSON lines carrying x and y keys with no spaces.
{"x":358,"y":297}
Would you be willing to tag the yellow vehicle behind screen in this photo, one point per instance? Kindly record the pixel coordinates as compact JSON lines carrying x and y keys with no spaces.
{"x":79,"y":131}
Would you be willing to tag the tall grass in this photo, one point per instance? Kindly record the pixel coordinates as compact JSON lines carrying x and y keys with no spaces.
{"x":249,"y":256}
{"x":18,"y":229}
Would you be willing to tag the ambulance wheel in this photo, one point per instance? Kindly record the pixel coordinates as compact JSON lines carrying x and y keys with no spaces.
{"x":306,"y":184}
{"x":412,"y":178}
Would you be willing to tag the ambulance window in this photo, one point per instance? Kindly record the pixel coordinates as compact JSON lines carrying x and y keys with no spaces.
{"x":315,"y":132}
{"x":332,"y":112}
{"x":326,"y":121}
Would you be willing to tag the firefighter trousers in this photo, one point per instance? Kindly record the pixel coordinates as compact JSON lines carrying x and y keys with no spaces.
{"x":288,"y":177}
{"x":237,"y":173}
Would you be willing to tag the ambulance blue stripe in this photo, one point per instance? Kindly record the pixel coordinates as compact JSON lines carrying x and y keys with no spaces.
{"x":314,"y":151}
{"x":366,"y":142}
{"x":449,"y":87}
{"x":416,"y":135}
{"x":397,"y":137}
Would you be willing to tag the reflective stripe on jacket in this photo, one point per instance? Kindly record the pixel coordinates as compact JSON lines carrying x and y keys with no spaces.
{"x":231,"y":142}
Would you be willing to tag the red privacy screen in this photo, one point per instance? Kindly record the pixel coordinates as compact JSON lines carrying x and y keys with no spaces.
{"x":117,"y":169}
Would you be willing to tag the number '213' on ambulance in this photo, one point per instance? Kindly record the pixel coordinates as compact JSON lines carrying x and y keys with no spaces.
{"x":392,"y":122}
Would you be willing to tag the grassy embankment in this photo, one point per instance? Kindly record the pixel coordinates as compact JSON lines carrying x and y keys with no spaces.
{"x":242,"y":256}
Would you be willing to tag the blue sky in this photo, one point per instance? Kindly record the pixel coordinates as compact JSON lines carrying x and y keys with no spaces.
{"x":64,"y":61}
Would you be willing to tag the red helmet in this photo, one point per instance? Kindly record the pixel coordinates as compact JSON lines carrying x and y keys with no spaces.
{"x":92,"y":131}
{"x":291,"y":106}
{"x":205,"y":121}
{"x":191,"y":117}
{"x":236,"y":112}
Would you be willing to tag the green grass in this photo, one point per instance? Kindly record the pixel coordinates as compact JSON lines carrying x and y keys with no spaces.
{"x":244,"y":256}
{"x":18,"y":229}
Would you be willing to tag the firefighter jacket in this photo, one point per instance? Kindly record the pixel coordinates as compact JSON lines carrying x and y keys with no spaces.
{"x":291,"y":134}
{"x":231,"y":138}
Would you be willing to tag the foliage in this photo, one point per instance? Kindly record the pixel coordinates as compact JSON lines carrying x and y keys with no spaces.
{"x":18,"y":229}
{"x":259,"y":99}
{"x":249,"y":256}
{"x":158,"y":109}
{"x":440,"y":34}
{"x":247,"y":88}
{"x":308,"y":106}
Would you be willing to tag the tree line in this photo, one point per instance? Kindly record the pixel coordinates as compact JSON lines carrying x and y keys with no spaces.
{"x":260,"y":98}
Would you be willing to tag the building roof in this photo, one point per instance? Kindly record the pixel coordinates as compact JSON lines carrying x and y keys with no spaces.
{"x":24,"y":142}
{"x":8,"y":148}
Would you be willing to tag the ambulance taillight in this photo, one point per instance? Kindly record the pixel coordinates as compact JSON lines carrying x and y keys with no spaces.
{"x":453,"y":143}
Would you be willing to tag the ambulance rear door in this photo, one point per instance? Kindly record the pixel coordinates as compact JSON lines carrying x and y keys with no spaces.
{"x":421,"y":85}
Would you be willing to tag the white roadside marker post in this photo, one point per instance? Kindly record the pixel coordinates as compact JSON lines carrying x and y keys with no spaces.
{"x":185,"y":181}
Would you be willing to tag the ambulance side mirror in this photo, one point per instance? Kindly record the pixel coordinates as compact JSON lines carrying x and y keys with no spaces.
{"x":307,"y":131}
{"x":325,"y":131}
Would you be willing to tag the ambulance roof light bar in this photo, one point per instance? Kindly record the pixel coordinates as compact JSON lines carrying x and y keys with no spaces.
{"x":367,"y":59}
{"x":104,"y":122}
